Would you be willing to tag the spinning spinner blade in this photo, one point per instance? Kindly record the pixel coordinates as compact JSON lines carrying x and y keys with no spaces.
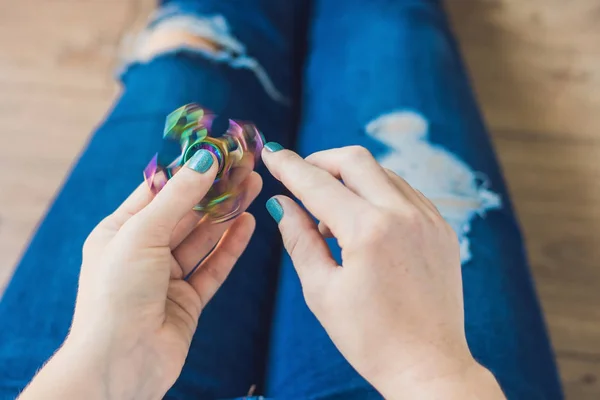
{"x":188,"y":130}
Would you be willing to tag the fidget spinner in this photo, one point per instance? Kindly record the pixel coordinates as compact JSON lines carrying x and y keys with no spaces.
{"x":187,"y":130}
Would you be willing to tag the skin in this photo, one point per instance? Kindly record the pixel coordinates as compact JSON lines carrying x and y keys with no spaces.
{"x":163,"y":40}
{"x":400,"y":324}
{"x":395,"y":308}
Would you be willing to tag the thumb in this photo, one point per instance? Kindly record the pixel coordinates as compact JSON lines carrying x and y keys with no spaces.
{"x":181,"y":193}
{"x":304,"y":243}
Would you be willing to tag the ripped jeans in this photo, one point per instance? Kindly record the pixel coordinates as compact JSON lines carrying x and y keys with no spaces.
{"x":383,"y":74}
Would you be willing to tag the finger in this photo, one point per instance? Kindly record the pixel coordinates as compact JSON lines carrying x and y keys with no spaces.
{"x":417,"y":197}
{"x":428,"y":203}
{"x":303,"y":242}
{"x":322,"y":194}
{"x":194,"y":221}
{"x":187,"y":225}
{"x":325,"y":231}
{"x":214,"y":270}
{"x":360,"y":172}
{"x":136,"y":201}
{"x":181,"y":193}
{"x":206,"y":235}
{"x":176,"y":271}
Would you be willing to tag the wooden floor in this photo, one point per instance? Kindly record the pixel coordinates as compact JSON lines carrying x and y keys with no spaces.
{"x":536,"y":68}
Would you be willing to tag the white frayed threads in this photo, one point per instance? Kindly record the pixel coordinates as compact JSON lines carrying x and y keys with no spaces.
{"x":459,"y":193}
{"x":229,"y":49}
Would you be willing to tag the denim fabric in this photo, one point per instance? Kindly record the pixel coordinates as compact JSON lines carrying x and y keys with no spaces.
{"x":372,"y":66}
{"x":405,"y":58}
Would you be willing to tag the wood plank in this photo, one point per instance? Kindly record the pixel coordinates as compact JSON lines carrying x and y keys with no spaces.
{"x":43,"y":131}
{"x":71,"y":43}
{"x":55,"y":85}
{"x":581,"y":377}
{"x":556,"y":189}
{"x":535,"y":63}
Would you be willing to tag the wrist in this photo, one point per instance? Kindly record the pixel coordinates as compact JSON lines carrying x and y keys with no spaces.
{"x":459,"y":377}
{"x":81,"y":369}
{"x":66,"y":375}
{"x":119,"y":372}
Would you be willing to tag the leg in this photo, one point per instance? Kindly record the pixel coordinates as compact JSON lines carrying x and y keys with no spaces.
{"x":195,"y":62}
{"x":387,"y":75}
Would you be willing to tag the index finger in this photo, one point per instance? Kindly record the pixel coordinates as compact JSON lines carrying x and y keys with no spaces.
{"x":322,"y":194}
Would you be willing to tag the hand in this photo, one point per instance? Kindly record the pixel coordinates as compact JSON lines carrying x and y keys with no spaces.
{"x":135,"y":314}
{"x":394,"y":308}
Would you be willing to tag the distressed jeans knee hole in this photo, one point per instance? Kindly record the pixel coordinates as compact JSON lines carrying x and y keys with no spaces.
{"x":173,"y":30}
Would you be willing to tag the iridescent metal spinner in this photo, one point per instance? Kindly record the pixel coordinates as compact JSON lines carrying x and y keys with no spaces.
{"x":188,"y":130}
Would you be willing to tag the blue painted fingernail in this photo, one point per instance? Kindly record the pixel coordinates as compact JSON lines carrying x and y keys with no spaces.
{"x":273,"y":147}
{"x":201,"y":161}
{"x":274,"y":208}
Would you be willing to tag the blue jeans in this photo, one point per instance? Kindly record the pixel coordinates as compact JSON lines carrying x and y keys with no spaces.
{"x":383,"y":74}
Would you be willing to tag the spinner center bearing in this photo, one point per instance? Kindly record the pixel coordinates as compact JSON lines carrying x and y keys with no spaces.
{"x":189,"y":129}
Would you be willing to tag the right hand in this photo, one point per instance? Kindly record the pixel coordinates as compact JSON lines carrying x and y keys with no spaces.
{"x":394,"y":308}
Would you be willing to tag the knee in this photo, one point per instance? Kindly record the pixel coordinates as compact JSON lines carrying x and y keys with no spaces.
{"x":165,"y":37}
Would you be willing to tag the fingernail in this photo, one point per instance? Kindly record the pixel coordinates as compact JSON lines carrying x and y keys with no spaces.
{"x":274,"y":208}
{"x":201,"y":161}
{"x":273,"y":147}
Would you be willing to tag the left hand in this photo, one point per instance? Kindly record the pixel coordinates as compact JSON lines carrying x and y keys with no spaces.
{"x":135,"y":314}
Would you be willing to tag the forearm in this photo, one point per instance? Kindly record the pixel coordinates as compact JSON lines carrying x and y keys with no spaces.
{"x":84,"y":373}
{"x":66,"y":376}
